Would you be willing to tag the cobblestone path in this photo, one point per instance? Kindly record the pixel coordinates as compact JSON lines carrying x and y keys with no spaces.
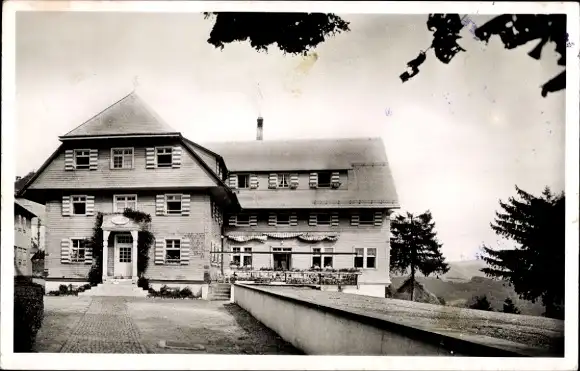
{"x":106,"y":327}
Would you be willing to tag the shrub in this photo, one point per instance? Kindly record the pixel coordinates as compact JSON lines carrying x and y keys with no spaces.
{"x":143,"y":282}
{"x":95,"y":276}
{"x":441,"y":300}
{"x":63,"y":289}
{"x":481,"y":303}
{"x":87,"y":286}
{"x":186,"y":293}
{"x":510,"y":307}
{"x":28,"y":314}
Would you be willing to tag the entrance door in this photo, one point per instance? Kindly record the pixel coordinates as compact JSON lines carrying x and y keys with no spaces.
{"x":123,"y":249}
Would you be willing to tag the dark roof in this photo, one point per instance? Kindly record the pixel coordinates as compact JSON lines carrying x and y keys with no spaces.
{"x":128,"y":116}
{"x":370,"y":183}
{"x":297,"y":155}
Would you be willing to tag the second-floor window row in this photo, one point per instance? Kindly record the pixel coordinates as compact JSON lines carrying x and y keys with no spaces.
{"x":123,"y":158}
{"x":364,"y":218}
{"x":323,"y":179}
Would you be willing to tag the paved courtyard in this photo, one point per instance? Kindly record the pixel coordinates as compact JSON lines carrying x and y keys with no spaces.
{"x":153,"y":325}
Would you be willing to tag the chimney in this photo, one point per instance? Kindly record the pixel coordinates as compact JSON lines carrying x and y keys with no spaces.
{"x":260,"y":133}
{"x":18,"y":178}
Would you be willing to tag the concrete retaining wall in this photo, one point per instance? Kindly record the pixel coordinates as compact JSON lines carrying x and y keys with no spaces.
{"x":323,"y":330}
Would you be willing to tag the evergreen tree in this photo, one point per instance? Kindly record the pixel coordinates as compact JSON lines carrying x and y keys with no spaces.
{"x":510,"y":307}
{"x":480,"y":303}
{"x":414,"y":246}
{"x":535,"y":268}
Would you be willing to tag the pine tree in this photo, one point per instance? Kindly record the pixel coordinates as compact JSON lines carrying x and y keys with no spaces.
{"x":414,"y":245}
{"x":535,"y":268}
{"x":480,"y":303}
{"x":510,"y":307}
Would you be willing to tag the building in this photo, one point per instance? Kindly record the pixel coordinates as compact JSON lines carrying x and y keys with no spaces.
{"x":22,"y":240}
{"x":214,"y":208}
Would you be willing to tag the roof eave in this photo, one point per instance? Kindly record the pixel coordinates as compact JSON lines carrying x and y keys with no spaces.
{"x":121,"y":136}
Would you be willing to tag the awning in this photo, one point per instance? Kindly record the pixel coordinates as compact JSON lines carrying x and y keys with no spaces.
{"x":240,"y":237}
{"x":318,"y":237}
{"x":247,"y":237}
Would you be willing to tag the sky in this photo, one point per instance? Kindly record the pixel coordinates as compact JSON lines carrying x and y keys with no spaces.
{"x":458,"y":137}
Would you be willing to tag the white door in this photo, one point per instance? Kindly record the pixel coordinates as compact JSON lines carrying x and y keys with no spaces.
{"x":123,"y":255}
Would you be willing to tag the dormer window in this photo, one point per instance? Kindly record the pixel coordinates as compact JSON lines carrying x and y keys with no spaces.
{"x":243,"y":181}
{"x":324,"y":179}
{"x":283,"y":180}
{"x":82,"y":158}
{"x":164,"y":156}
{"x":243,"y":220}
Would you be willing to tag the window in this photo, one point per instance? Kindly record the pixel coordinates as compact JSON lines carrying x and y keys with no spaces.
{"x":316,"y":258}
{"x":283,"y":219}
{"x":371,"y":258}
{"x":243,"y":181}
{"x":79,"y":204}
{"x":323,"y":219}
{"x":172,"y":251}
{"x":122,"y":202}
{"x":247,"y":257}
{"x":78,"y":250}
{"x":243,"y":220}
{"x":242,"y":257}
{"x":324,"y":179}
{"x":283,"y":180}
{"x":124,"y":255}
{"x":164,"y":157}
{"x":173,"y":204}
{"x":236,"y":256}
{"x":122,"y":158}
{"x":366,"y":218}
{"x":327,"y":259}
{"x":82,"y":158}
{"x":359,"y":258}
{"x":365,"y":258}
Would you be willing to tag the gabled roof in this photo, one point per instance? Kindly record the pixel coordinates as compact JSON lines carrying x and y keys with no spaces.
{"x":299,"y":155}
{"x":128,"y":116}
{"x":33,"y":207}
{"x":21,"y":209}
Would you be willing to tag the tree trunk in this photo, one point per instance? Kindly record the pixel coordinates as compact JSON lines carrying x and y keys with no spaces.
{"x":412,"y":281}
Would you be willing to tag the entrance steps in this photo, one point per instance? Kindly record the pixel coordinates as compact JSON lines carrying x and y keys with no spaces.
{"x":219,"y":291}
{"x":116,"y":287}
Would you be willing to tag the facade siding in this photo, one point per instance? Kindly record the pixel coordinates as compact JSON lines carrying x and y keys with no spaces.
{"x":190,"y":173}
{"x":195,"y":226}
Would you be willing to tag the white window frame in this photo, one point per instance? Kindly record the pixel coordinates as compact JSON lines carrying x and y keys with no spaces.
{"x":88,"y":156}
{"x":242,"y":252}
{"x":172,"y":248}
{"x":284,"y":180}
{"x":246,"y":224}
{"x":122,"y":155}
{"x":325,"y":223}
{"x":167,"y":200}
{"x":74,"y":259}
{"x":115,"y":200}
{"x":369,"y":222}
{"x":247,"y":177}
{"x":324,"y":186}
{"x":72,"y":204}
{"x":365,"y":255}
{"x":157,"y":150}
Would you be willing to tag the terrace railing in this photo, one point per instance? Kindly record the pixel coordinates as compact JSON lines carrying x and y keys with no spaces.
{"x":297,"y":277}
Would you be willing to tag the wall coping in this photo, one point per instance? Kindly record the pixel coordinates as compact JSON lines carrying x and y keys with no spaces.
{"x":447,"y":341}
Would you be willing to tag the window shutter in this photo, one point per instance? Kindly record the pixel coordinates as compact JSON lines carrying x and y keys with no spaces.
{"x":160,"y":205}
{"x":355,"y":219}
{"x":273,"y":181}
{"x":272,"y":219}
{"x":65,"y":251}
{"x":233,"y":181}
{"x":253,"y":220}
{"x":253,"y":181}
{"x":176,"y":157}
{"x":159,"y":251}
{"x":90,"y":205}
{"x":69,"y":160}
{"x":150,"y":158}
{"x":66,"y":206}
{"x":335,"y":179}
{"x":293,"y":181}
{"x":313,"y":181}
{"x":378,"y":218}
{"x":233,"y":220}
{"x":93,"y":159}
{"x":334,"y":219}
{"x":185,"y":249}
{"x":313,"y":220}
{"x":185,"y":204}
{"x":88,"y":255}
{"x":293,"y":219}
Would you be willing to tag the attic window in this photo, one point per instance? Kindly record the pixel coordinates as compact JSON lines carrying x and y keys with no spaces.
{"x":367,"y":218}
{"x":82,"y":157}
{"x":164,"y":157}
{"x":324,"y":179}
{"x":243,"y":181}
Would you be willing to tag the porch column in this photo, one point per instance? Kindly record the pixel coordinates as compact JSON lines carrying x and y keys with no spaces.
{"x":135,"y":235}
{"x":105,"y":253}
